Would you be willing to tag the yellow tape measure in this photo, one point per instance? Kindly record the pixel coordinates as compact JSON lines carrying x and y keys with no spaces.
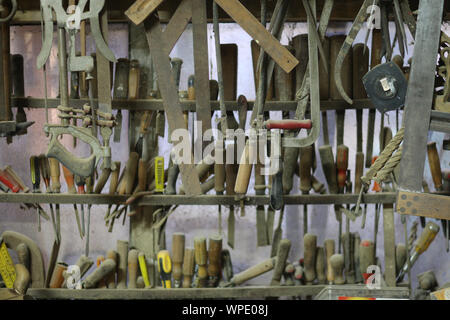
{"x":159,"y":174}
{"x":7,"y":269}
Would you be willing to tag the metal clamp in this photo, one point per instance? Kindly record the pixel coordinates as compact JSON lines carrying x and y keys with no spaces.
{"x":82,"y":167}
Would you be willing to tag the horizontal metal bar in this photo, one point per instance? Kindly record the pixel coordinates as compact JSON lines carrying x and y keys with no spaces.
{"x":179,"y":293}
{"x":166,"y":200}
{"x":440,"y":121}
{"x":156,"y":104}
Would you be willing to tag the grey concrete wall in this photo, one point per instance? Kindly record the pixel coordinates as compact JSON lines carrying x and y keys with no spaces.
{"x":192,"y":220}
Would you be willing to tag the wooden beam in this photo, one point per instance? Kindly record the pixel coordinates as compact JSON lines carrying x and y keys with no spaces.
{"x":177,"y":24}
{"x":141,"y":9}
{"x":423,"y":204}
{"x":257,"y":31}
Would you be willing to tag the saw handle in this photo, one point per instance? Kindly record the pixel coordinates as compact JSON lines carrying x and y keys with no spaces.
{"x":435,"y":165}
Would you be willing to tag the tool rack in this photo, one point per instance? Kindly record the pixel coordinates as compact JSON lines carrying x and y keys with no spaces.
{"x":345,"y":10}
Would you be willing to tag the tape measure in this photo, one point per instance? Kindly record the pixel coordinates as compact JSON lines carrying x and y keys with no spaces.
{"x":159,"y":174}
{"x":7,"y":269}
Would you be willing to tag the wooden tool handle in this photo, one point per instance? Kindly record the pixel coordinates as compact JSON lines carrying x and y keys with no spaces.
{"x":130,"y":173}
{"x":57,"y":278}
{"x":342,"y":165}
{"x":377,"y":41}
{"x":114,"y":178}
{"x":102,"y":180}
{"x":337,"y":263}
{"x":435,"y":165}
{"x":111,"y":279}
{"x":122,"y":257}
{"x":290,"y":162}
{"x":329,"y":168}
{"x":254,"y":271}
{"x":399,"y":61}
{"x":244,"y":172}
{"x":89,"y":184}
{"x":306,"y":163}
{"x":336,"y":43}
{"x":102,"y":283}
{"x":366,"y":255}
{"x":230,"y":173}
{"x":329,"y":251}
{"x":282,"y":254}
{"x":132,"y":268}
{"x":359,"y":171}
{"x":191,"y":87}
{"x":133,"y":80}
{"x":426,"y":238}
{"x":188,"y":267}
{"x":214,"y":258}
{"x":320,"y":265}
{"x":142,"y":175}
{"x":356,"y":243}
{"x":309,"y":252}
{"x":178,"y":240}
{"x":100,"y":273}
{"x":360,"y":68}
{"x":55,"y":174}
{"x":347,"y":244}
{"x":201,"y":258}
{"x":219,"y":177}
{"x":68,"y":176}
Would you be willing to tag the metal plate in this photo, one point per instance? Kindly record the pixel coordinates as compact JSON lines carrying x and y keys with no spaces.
{"x":386,"y":87}
{"x":423,"y":204}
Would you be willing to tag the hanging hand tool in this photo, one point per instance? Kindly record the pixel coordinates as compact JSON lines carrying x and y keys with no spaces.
{"x":214,"y":257}
{"x":360,"y":68}
{"x":426,"y":238}
{"x":36,"y":181}
{"x":18,"y":86}
{"x":178,"y":240}
{"x":80,"y":182}
{"x":306,"y":163}
{"x":436,"y":173}
{"x":201,"y":258}
{"x":165,"y":268}
{"x":342,"y":150}
{"x":69,"y":177}
{"x":120,"y":92}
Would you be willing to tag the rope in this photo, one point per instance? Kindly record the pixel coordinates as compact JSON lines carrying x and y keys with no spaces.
{"x":390,"y":165}
{"x":384,"y":157}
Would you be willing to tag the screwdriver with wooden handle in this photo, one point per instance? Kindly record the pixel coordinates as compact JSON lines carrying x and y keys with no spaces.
{"x":426,"y":238}
{"x":188,"y":267}
{"x":282,"y":254}
{"x":56,"y":188}
{"x":178,"y":241}
{"x":44,"y":167}
{"x":69,"y":178}
{"x":436,"y":174}
{"x":309,"y":253}
{"x":80,"y":182}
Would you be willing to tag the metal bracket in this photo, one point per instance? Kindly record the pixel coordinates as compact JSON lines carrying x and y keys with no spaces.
{"x":82,"y":167}
{"x":423,"y":204}
{"x":12,"y":128}
{"x":95,"y":7}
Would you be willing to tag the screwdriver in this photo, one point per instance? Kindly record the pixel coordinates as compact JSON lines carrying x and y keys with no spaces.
{"x":426,"y":238}
{"x":56,"y":188}
{"x":164,"y":268}
{"x":36,"y":181}
{"x":68,"y":177}
{"x":79,"y":181}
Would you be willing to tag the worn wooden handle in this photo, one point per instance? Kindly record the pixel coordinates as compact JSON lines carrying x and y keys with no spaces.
{"x":329,"y":168}
{"x":178,"y":241}
{"x":132,"y":268}
{"x":111,"y":278}
{"x":310,"y":242}
{"x":282,"y":254}
{"x":55,"y":174}
{"x":201,"y":258}
{"x":141,"y":9}
{"x":306,"y":163}
{"x":122,"y":257}
{"x":188,"y":267}
{"x":69,"y":177}
{"x":100,"y":273}
{"x":102,"y":180}
{"x":244,"y":172}
{"x":254,"y":271}
{"x":366,"y":255}
{"x":113,"y":183}
{"x":214,"y":258}
{"x":337,"y":263}
{"x":320,"y":265}
{"x":130,"y":173}
{"x":435,"y":165}
{"x":329,"y":251}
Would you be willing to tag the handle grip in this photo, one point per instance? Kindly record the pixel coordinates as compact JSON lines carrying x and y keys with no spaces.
{"x":288,"y":124}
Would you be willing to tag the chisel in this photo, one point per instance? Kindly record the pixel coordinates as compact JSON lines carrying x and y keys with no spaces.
{"x":113,"y":183}
{"x":188,"y":267}
{"x":69,"y":178}
{"x":309,"y":253}
{"x":337,"y":264}
{"x":111,"y":279}
{"x":230,"y":182}
{"x":56,"y":188}
{"x":122,"y":257}
{"x":120,"y":91}
{"x":282,"y":255}
{"x":132,"y":268}
{"x":320,"y":265}
{"x":436,"y":174}
{"x":44,"y":167}
{"x":329,"y":251}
